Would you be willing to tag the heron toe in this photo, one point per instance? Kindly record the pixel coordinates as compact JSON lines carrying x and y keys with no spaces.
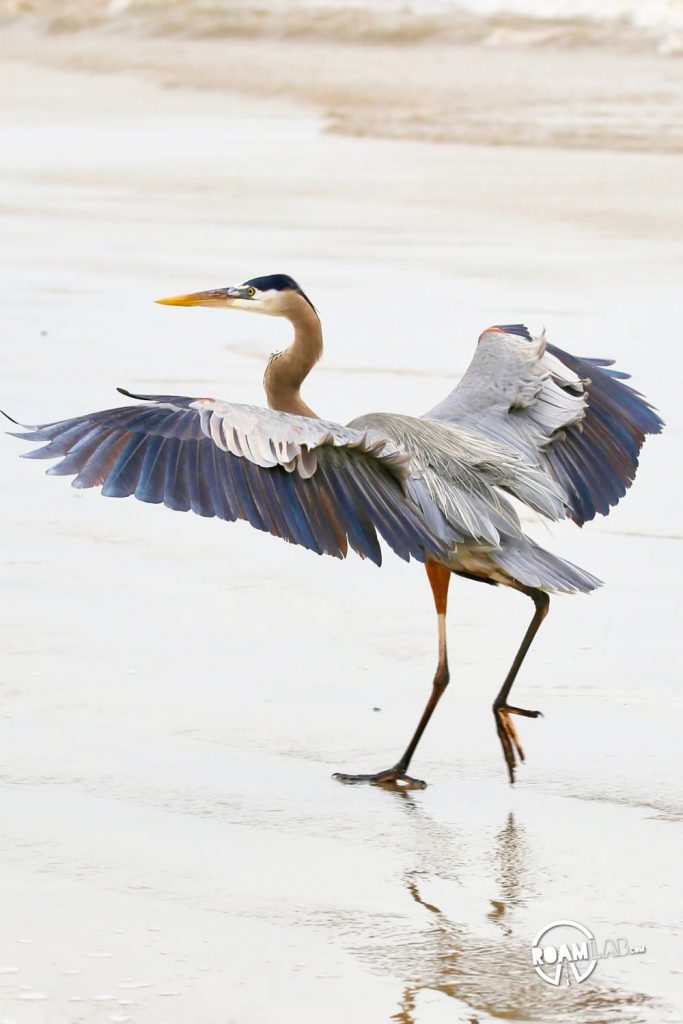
{"x":513,"y":751}
{"x":391,"y":778}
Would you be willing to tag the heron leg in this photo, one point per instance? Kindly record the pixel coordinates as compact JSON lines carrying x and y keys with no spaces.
{"x":507,"y":733}
{"x":397,"y":777}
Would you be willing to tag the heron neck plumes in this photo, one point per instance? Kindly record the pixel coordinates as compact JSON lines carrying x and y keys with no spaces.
{"x":286,"y":371}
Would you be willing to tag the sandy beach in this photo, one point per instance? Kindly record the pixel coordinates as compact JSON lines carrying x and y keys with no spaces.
{"x":175,"y":693}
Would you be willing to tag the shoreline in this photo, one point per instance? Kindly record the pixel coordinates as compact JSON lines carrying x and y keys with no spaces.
{"x":438,"y":92}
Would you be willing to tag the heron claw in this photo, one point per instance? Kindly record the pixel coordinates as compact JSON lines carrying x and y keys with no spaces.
{"x":391,"y":778}
{"x":513,"y":751}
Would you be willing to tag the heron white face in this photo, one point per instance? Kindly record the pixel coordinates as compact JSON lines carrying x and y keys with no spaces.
{"x":271,"y":301}
{"x":256,"y":300}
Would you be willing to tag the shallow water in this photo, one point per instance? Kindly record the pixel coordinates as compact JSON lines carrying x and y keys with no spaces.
{"x":175,"y":693}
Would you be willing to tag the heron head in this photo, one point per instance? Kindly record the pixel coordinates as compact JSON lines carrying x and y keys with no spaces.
{"x":274,"y":294}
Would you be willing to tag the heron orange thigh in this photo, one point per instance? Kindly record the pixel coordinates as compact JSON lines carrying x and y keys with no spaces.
{"x":439,"y":579}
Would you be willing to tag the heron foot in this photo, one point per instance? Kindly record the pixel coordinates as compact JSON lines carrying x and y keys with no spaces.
{"x":507,"y":734}
{"x":393,"y":778}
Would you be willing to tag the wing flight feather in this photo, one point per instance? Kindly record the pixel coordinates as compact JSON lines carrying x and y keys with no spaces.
{"x":314,"y":483}
{"x":573,"y":418}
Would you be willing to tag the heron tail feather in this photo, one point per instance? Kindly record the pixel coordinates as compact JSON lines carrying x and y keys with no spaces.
{"x":535,"y":567}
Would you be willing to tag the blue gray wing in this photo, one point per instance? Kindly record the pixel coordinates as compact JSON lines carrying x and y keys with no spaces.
{"x":573,"y":417}
{"x":314,"y":484}
{"x":596,"y":459}
{"x":457,"y":476}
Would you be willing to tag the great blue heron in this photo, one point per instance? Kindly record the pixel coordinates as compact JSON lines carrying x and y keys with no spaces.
{"x":561,"y":434}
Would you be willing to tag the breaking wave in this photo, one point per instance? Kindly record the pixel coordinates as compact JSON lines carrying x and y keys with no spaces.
{"x":633,"y":24}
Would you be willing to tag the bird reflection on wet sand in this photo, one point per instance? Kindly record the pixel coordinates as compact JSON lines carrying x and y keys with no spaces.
{"x":488,"y":974}
{"x":513,"y":857}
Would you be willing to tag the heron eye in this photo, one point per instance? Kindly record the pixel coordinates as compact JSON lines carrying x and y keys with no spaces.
{"x":251,"y":291}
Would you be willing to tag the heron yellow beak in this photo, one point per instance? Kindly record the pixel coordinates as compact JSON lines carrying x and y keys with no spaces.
{"x":214,"y":297}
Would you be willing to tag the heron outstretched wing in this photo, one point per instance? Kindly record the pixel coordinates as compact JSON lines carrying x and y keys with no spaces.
{"x":461,"y":474}
{"x":311,"y":482}
{"x":573,"y":417}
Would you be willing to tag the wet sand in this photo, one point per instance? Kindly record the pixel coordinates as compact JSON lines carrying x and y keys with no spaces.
{"x":175,"y":693}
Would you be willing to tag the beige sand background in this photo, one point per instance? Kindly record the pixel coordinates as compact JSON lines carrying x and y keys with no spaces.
{"x":175,"y":693}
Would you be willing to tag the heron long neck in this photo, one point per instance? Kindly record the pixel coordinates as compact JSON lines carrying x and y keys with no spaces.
{"x":286,"y":371}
